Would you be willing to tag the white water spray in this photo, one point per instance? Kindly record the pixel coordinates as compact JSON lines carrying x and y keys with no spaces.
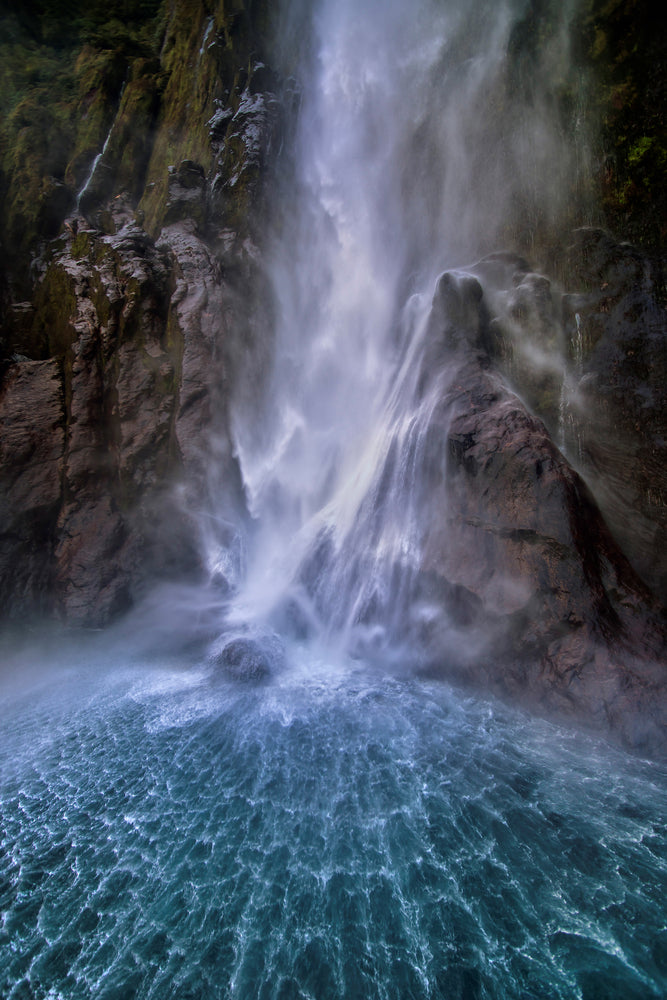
{"x":415,"y":154}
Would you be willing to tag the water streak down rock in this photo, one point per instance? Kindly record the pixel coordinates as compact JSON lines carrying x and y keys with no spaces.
{"x":569,"y":625}
{"x":513,"y":582}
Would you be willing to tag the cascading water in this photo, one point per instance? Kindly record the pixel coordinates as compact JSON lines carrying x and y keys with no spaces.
{"x":98,"y":158}
{"x":339,"y":831}
{"x":416,"y":150}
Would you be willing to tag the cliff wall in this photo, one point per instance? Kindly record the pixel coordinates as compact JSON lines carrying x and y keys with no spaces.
{"x":142,"y":151}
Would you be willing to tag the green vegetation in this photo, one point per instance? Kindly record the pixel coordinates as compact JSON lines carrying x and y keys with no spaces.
{"x":62,"y":24}
{"x":623,"y":41}
{"x":130,"y":71}
{"x":55,"y":307}
{"x":68,"y":71}
{"x":62,"y":67}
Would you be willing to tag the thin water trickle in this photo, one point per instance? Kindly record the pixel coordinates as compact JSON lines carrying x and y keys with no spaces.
{"x":99,"y":156}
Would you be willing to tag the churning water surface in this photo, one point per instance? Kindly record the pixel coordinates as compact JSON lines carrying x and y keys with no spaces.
{"x":332,"y":833}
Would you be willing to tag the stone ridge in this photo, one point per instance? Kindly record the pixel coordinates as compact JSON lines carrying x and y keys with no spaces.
{"x":516,"y":553}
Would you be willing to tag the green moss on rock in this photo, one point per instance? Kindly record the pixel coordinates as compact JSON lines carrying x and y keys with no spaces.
{"x":53,"y":331}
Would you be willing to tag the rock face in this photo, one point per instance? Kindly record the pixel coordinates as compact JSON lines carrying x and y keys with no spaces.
{"x":145,"y":312}
{"x":615,"y":413}
{"x":506,"y":577}
{"x":588,"y":355}
{"x":526,"y":561}
{"x":117,"y":368}
{"x":32,"y":443}
{"x":573,"y":628}
{"x":118,"y":423}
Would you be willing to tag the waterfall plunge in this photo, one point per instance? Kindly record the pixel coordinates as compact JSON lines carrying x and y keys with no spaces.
{"x":417,"y":151}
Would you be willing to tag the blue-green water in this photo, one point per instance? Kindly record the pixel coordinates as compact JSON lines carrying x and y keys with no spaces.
{"x":335,"y":833}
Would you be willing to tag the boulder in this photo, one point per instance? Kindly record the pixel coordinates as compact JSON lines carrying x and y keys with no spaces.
{"x":480,"y":555}
{"x":249,"y":659}
{"x":516,"y":544}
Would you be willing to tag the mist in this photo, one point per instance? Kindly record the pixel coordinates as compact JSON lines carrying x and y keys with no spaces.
{"x":428,"y":136}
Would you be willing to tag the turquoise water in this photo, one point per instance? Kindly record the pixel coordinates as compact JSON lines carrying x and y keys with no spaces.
{"x":334,"y":833}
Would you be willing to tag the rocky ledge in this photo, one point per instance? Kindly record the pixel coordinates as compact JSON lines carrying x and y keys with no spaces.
{"x":518,"y":549}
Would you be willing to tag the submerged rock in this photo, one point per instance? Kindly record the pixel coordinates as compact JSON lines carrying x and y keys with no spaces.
{"x":249,"y":659}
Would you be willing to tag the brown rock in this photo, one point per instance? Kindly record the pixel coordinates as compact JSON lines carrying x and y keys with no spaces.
{"x":92,"y":582}
{"x":32,"y":442}
{"x":561,"y":620}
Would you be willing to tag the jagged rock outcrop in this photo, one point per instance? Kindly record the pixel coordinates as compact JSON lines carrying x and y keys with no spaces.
{"x":137,"y":312}
{"x":515,"y":551}
{"x":588,"y":355}
{"x":569,"y":625}
{"x":478,"y":553}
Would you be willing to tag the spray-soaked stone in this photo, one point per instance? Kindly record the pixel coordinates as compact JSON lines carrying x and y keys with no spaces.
{"x":249,"y":659}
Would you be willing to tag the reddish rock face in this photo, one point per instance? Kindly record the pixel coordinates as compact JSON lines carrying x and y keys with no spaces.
{"x":524,"y":563}
{"x":32,"y":446}
{"x":509,"y":579}
{"x":95,"y":445}
{"x":567,"y":624}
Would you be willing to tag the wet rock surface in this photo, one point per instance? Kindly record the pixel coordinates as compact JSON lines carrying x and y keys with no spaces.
{"x":249,"y":660}
{"x":517,"y":548}
{"x":32,"y":448}
{"x":507,"y":577}
{"x":116,"y":373}
{"x":543,"y":481}
{"x":110,"y":416}
{"x":615,"y":419}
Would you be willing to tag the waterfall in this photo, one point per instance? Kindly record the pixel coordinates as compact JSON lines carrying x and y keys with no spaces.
{"x":94,"y":165}
{"x":419,"y":147}
{"x":222,"y":796}
{"x":207,"y":32}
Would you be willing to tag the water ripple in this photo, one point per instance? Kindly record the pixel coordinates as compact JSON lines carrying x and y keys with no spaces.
{"x":166,"y":835}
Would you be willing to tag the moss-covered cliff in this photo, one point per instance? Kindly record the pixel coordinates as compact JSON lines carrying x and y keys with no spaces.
{"x":135,"y":140}
{"x":152,"y":75}
{"x":625,"y":44}
{"x":62,"y":72}
{"x":139,"y":79}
